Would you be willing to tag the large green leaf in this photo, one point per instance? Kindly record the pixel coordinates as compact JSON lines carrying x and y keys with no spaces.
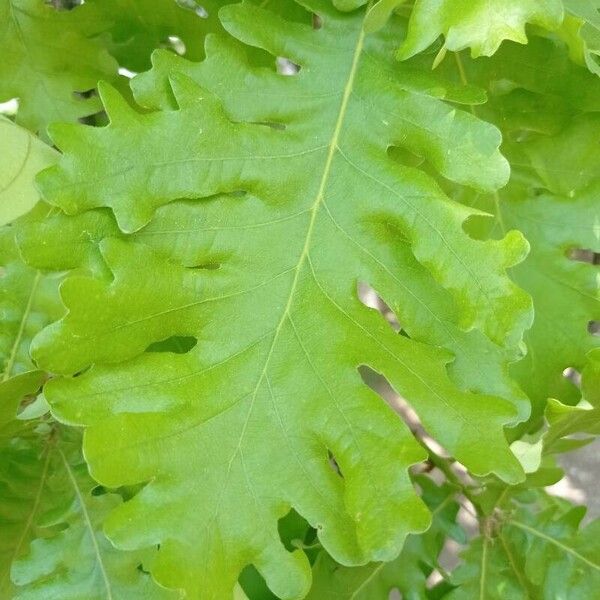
{"x":458,"y":146}
{"x":293,"y":200}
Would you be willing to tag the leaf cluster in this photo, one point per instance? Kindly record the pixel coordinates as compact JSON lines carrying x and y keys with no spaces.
{"x":297,"y":297}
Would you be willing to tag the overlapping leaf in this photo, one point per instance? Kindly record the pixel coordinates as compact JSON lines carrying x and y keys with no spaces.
{"x":550,"y":137}
{"x":286,"y":214}
{"x":564,"y":421}
{"x":481,"y":25}
{"x":28,"y":301}
{"x":133,"y":30}
{"x":533,"y":554}
{"x":582,"y":31}
{"x":46,"y":60}
{"x":52,"y":543}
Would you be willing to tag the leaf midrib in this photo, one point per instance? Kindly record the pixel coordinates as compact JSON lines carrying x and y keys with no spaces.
{"x":19,"y":336}
{"x":89,"y":526}
{"x":555,"y":542}
{"x":314,"y":209}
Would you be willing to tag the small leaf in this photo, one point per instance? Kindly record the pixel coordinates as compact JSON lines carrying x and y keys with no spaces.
{"x":481,"y":25}
{"x":23,"y":156}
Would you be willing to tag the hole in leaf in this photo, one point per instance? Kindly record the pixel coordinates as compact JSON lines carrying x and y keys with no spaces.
{"x":176,"y":44}
{"x":195,"y":7}
{"x":286,"y":67}
{"x":127,"y":73}
{"x":370,"y":298}
{"x":584,"y":255}
{"x":177,"y":344}
{"x":482,"y":227}
{"x":573,"y":375}
{"x":379,"y":384}
{"x":10,"y":107}
{"x":61,"y":5}
{"x":593,"y":327}
{"x":294,"y":532}
{"x":334,"y":464}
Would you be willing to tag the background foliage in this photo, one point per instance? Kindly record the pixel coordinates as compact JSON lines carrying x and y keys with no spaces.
{"x":197,"y":202}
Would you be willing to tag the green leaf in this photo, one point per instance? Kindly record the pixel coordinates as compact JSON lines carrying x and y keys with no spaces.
{"x":24,"y":156}
{"x":135,"y":29}
{"x":461,"y":148}
{"x":551,"y":198}
{"x":46,"y":60}
{"x":582,"y":31}
{"x":566,"y":420}
{"x":28,"y":302}
{"x":560,"y":559}
{"x":481,"y":25}
{"x":532,"y":554}
{"x":491,"y":571}
{"x":12,"y":391}
{"x":52,"y":527}
{"x":77,"y":561}
{"x":23,"y":474}
{"x":379,"y":13}
{"x":294,"y":198}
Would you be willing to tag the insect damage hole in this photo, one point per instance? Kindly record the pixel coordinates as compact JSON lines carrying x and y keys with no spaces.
{"x":572,"y":375}
{"x":286,"y":67}
{"x":379,"y":384}
{"x":371,"y":299}
{"x":176,"y":44}
{"x":584,"y":255}
{"x":193,"y":6}
{"x":333,"y":463}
